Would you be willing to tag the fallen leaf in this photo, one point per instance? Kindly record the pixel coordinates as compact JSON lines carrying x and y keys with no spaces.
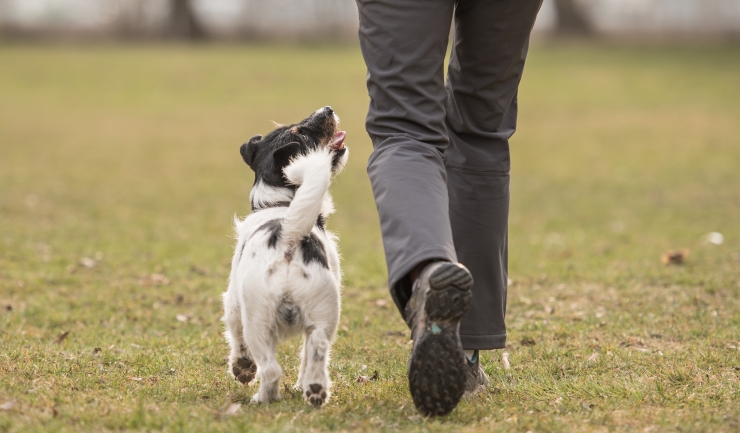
{"x":587,"y":406}
{"x":505,"y":360}
{"x":8,"y":405}
{"x":183,"y":317}
{"x":88,"y":262}
{"x":675,"y":257}
{"x":593,"y":357}
{"x":97,"y":350}
{"x":556,"y":402}
{"x":715,"y":238}
{"x":528,"y":341}
{"x":382,"y":303}
{"x":232,"y":409}
{"x":362,"y":379}
{"x":159,"y":279}
{"x":198,"y":270}
{"x":395,"y":334}
{"x":137,"y":379}
{"x":62,"y":336}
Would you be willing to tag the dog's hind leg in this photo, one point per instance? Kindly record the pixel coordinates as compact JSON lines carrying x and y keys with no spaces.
{"x":315,"y":375}
{"x":240,"y":363}
{"x":268,"y":370}
{"x":299,"y":383}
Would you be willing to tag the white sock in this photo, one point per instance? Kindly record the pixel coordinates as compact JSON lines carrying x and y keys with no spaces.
{"x":470,"y":354}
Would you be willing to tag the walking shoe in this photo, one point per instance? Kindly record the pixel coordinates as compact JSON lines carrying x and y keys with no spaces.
{"x":477,"y":379}
{"x":437,"y":366}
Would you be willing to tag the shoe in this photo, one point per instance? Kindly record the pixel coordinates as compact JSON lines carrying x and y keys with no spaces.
{"x":437,"y":366}
{"x":477,"y":379}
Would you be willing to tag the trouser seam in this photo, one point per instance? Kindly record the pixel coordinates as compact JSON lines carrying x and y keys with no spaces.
{"x":477,"y":170}
{"x":409,"y":142}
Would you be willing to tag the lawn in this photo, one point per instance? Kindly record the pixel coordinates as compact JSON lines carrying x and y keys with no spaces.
{"x":120,"y":175}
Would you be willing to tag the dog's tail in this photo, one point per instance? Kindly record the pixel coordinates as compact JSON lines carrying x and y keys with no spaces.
{"x":312,"y":174}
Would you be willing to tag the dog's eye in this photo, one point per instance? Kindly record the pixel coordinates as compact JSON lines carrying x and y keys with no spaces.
{"x":303,"y":136}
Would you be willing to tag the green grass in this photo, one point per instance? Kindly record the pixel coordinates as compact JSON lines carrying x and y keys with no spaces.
{"x":128,"y":155}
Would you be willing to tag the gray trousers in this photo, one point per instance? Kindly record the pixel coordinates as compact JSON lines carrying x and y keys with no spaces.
{"x":440,"y":165}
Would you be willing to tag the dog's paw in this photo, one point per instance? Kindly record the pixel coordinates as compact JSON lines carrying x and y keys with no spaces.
{"x":244,"y":370}
{"x":316,"y":395}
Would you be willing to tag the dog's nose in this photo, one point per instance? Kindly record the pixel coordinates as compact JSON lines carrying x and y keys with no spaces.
{"x":328,"y":110}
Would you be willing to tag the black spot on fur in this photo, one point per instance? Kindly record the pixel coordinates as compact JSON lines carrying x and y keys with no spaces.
{"x":312,"y":250}
{"x":317,"y":356}
{"x":337,"y":157}
{"x":274,"y":227}
{"x":241,"y":252}
{"x":271,"y":205}
{"x":321,"y":223}
{"x":288,"y":311}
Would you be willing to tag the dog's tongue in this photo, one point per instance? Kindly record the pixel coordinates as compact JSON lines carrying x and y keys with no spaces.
{"x":338,"y":142}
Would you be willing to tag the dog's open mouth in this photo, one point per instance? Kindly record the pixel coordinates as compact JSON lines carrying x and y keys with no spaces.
{"x":338,"y":141}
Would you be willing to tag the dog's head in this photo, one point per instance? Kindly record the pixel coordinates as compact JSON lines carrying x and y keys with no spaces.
{"x":269,"y":155}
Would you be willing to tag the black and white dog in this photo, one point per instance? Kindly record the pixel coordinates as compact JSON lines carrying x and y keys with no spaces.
{"x":285,"y":277}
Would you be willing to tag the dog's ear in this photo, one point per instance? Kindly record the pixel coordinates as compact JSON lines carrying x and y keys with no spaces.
{"x":283,"y":154}
{"x":249,"y":150}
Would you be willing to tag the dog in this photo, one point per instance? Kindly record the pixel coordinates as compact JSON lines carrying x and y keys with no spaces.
{"x":285,"y":276}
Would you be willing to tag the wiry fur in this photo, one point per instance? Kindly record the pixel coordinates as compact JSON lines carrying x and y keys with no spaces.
{"x":285,"y":275}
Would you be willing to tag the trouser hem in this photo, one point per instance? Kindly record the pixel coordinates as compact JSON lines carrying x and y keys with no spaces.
{"x":400,"y":285}
{"x":483,"y":342}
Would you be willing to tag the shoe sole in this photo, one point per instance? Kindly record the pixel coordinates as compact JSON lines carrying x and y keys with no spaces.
{"x":436,"y":381}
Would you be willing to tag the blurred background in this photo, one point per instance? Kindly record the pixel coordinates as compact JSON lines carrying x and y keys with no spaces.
{"x":128,"y":112}
{"x":120,"y":175}
{"x":255,"y":19}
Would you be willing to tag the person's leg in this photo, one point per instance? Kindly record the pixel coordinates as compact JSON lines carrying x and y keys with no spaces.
{"x":404,"y":43}
{"x":490,"y":46}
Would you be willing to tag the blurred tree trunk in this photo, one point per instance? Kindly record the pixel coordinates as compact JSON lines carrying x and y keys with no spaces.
{"x":572,"y":20}
{"x":183,"y":22}
{"x":4,"y":12}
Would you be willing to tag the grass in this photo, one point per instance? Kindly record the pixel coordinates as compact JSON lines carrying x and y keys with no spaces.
{"x":124,"y":159}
